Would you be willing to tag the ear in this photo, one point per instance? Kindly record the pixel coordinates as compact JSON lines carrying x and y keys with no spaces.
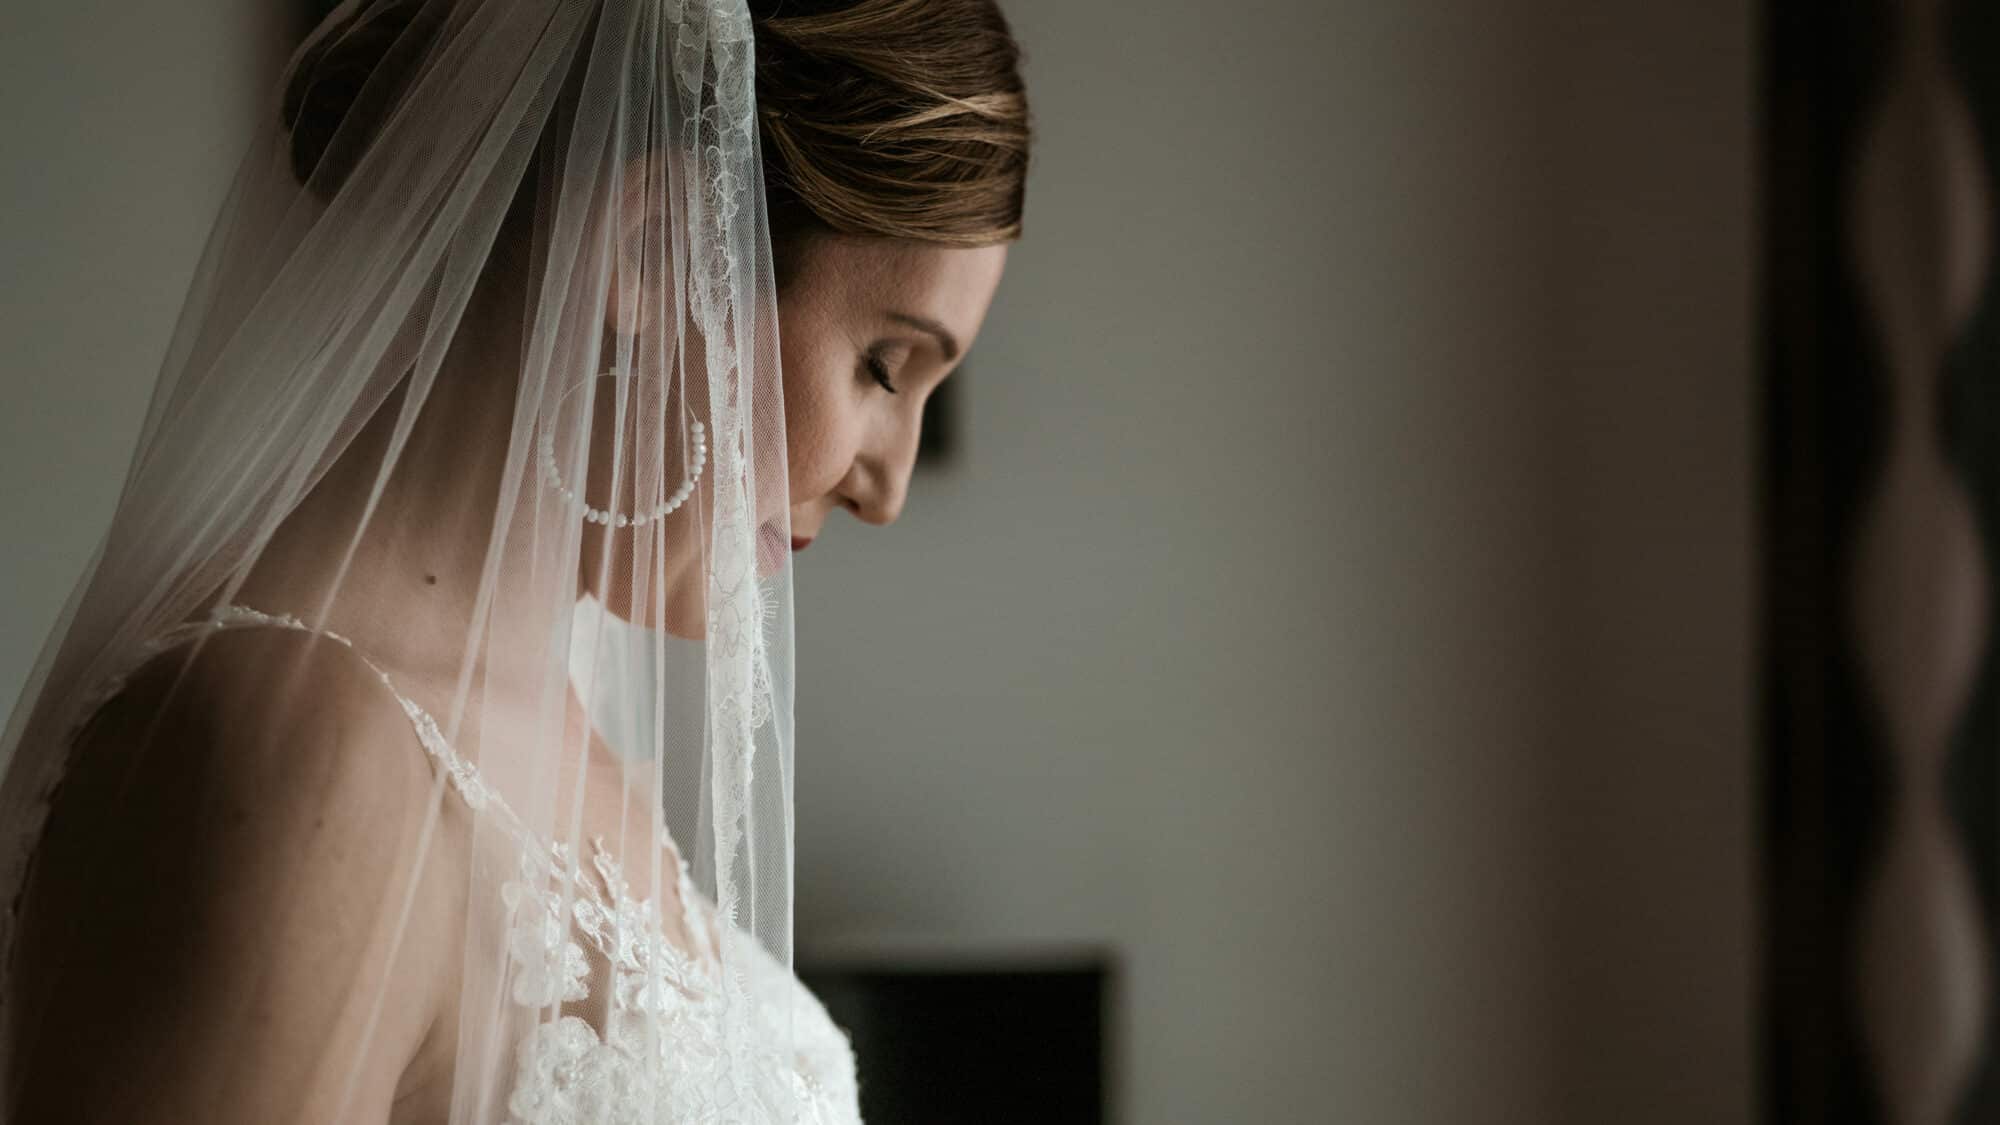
{"x":642,"y":250}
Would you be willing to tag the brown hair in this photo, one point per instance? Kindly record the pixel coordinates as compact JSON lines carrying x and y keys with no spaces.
{"x":904,"y":118}
{"x":895,"y":118}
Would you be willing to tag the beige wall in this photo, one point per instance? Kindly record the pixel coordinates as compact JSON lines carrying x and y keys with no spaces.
{"x":1341,"y":605}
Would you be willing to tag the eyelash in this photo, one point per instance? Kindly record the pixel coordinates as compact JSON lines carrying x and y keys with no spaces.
{"x":880,"y":372}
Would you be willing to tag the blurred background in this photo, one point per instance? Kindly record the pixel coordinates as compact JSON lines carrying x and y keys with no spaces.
{"x":1334,"y":614}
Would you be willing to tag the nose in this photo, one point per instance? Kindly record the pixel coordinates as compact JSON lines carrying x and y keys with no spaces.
{"x":879,"y":483}
{"x":879,"y":495}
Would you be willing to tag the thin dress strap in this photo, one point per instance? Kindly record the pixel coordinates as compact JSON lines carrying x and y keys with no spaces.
{"x":543,"y":854}
{"x":464,"y":775}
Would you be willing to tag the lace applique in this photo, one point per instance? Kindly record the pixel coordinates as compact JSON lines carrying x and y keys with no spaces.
{"x":549,"y":965}
{"x":713,"y":54}
{"x":682,"y":1041}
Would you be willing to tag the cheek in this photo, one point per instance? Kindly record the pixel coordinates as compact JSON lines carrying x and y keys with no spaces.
{"x":820,"y":428}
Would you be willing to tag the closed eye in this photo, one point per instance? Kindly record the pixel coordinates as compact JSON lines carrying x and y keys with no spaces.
{"x":880,"y":371}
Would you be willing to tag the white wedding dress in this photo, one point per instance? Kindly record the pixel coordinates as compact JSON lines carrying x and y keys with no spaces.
{"x":571,"y":911}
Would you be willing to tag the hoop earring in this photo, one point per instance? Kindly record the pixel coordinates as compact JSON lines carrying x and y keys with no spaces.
{"x":552,"y":476}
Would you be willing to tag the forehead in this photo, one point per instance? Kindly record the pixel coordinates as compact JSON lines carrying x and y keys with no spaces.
{"x":865,"y":277}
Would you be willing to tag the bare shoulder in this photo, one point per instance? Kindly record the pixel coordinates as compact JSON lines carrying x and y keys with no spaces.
{"x":212,"y":912}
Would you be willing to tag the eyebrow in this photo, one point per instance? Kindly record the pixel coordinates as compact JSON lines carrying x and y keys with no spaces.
{"x":946,"y":341}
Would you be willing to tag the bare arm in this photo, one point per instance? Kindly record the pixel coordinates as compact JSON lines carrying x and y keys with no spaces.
{"x":212,"y":912}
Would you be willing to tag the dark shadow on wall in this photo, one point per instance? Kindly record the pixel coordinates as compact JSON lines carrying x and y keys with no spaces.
{"x":1824,"y":394}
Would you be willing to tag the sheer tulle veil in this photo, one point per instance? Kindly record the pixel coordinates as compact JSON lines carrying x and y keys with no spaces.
{"x":508,"y":328}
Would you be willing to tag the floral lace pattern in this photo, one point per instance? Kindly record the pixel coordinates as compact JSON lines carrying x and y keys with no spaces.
{"x":714,"y":52}
{"x":671,"y":1049}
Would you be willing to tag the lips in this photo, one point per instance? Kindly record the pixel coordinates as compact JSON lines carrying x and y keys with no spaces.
{"x":800,"y":543}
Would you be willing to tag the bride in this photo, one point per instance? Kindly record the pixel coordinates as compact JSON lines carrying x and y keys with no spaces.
{"x":533,"y":340}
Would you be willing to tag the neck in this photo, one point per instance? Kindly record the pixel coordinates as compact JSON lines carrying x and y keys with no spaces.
{"x":400,"y":571}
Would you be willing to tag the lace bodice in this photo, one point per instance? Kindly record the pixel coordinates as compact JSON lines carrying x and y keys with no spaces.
{"x":681,"y":1041}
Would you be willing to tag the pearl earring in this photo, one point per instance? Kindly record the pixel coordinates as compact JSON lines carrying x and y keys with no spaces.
{"x":552,"y":476}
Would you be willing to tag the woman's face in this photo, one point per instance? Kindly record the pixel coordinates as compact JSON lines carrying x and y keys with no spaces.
{"x":869,"y":327}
